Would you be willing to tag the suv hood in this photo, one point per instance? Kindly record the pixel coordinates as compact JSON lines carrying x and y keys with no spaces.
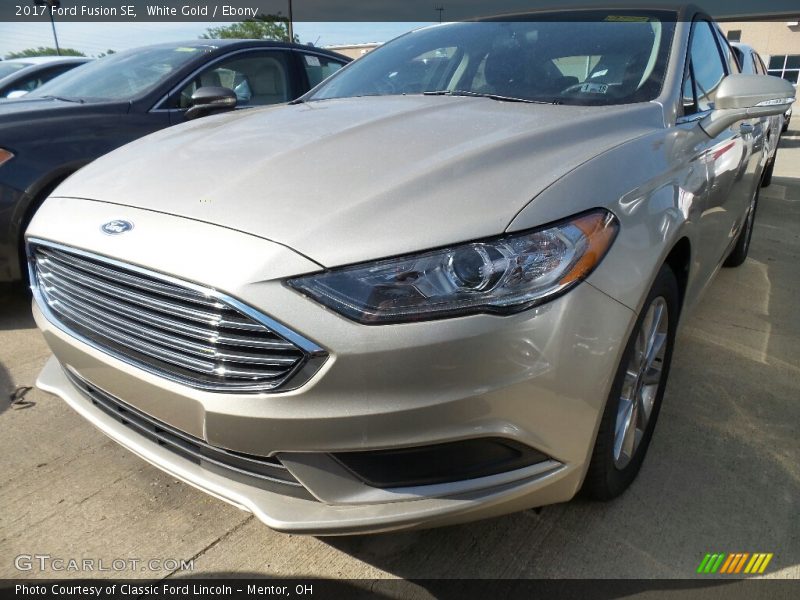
{"x":347,"y":180}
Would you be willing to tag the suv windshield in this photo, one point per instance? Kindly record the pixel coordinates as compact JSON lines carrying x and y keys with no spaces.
{"x":120,"y":76}
{"x":595,"y":58}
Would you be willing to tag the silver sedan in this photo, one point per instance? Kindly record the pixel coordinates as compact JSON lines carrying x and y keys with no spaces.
{"x":443,"y":285}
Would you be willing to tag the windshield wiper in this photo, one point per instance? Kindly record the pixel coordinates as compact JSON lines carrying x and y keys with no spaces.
{"x":469,"y":94}
{"x":65,"y":99}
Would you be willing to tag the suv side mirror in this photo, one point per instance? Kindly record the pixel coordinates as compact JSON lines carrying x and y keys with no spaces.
{"x":210,"y":100}
{"x":742,"y":97}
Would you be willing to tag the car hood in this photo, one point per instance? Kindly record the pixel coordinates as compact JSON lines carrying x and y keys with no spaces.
{"x":346,"y":180}
{"x":24,"y":109}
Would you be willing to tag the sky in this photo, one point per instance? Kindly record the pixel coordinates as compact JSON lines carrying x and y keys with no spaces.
{"x":94,"y":38}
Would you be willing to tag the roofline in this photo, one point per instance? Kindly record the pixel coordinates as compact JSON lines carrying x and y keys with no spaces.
{"x":683,"y":12}
{"x":219,"y":43}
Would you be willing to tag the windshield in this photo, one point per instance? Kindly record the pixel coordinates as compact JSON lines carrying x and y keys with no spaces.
{"x":7,"y":68}
{"x":121,"y":76}
{"x":597,"y":58}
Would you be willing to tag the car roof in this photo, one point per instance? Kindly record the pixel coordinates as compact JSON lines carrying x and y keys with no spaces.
{"x":41,"y":60}
{"x":681,"y":11}
{"x":232,"y":44}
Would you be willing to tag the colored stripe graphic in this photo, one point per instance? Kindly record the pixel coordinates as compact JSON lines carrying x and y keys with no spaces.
{"x":730,"y":565}
{"x":754,"y":563}
{"x":740,"y":564}
{"x":734,"y":563}
{"x":764,"y":564}
{"x":718,"y":562}
{"x":703,"y":563}
{"x":711,"y":563}
{"x":727,"y":564}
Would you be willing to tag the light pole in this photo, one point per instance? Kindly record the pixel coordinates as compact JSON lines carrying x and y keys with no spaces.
{"x":291,"y":25}
{"x":51,"y":4}
{"x":440,"y":10}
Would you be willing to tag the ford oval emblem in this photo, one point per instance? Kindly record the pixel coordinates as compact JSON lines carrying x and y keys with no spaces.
{"x":116,"y":227}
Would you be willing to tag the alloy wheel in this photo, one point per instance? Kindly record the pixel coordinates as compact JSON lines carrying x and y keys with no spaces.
{"x":642,"y":380}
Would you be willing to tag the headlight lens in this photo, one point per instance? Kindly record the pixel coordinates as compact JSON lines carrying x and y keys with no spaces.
{"x":503,"y":275}
{"x":5,"y":156}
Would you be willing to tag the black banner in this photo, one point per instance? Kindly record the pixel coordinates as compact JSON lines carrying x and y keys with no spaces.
{"x":228,"y":588}
{"x":346,"y":10}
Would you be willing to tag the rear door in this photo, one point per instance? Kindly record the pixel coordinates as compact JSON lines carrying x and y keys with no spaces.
{"x":775,"y":128}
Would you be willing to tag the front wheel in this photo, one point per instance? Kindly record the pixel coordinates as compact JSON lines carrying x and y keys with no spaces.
{"x":635,"y":399}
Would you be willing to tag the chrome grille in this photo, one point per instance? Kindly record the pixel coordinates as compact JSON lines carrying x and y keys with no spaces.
{"x":186,"y":333}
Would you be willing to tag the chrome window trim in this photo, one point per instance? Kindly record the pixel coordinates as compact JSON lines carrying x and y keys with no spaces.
{"x":699,"y":116}
{"x":157,"y":107}
{"x":315,"y":357}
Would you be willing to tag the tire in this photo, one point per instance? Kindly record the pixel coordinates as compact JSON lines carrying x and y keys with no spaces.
{"x":612,"y":469}
{"x":739,"y":253}
{"x":766,"y":180}
{"x":30,"y":211}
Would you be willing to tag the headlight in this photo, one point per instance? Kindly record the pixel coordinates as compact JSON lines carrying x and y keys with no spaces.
{"x":503,"y":275}
{"x":5,"y":156}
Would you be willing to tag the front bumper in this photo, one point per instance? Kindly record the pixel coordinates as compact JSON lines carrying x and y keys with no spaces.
{"x":539,"y":378}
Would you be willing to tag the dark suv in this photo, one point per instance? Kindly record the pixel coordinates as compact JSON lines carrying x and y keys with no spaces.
{"x":67,"y":123}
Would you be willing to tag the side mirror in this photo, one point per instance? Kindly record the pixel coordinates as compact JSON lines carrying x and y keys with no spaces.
{"x":16,"y":94}
{"x":210,"y":100}
{"x":742,"y":97}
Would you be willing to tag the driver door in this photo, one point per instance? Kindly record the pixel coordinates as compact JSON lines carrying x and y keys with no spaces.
{"x":257,"y":77}
{"x":727,"y":158}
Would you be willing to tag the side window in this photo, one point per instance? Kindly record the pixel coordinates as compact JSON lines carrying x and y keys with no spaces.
{"x":761,"y":68}
{"x":33,"y":82}
{"x":689,"y":101}
{"x":319,"y":68}
{"x":734,"y":66}
{"x":258,"y":78}
{"x":758,"y":68}
{"x":53,"y":73}
{"x":741,"y":57}
{"x":707,"y":66}
{"x":27,"y":85}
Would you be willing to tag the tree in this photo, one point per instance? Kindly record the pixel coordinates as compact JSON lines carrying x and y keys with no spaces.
{"x":42,"y":51}
{"x":263,"y":27}
{"x":106,"y":53}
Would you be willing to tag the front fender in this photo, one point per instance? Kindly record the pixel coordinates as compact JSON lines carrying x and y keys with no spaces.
{"x":656,"y":186}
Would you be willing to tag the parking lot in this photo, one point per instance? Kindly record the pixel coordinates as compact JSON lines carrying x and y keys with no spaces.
{"x":722,"y":474}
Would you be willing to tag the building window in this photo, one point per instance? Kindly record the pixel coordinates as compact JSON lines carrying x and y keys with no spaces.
{"x":735,"y":35}
{"x":785,"y":66}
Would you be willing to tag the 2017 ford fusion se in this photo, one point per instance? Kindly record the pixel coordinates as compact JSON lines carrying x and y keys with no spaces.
{"x":443,"y":285}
